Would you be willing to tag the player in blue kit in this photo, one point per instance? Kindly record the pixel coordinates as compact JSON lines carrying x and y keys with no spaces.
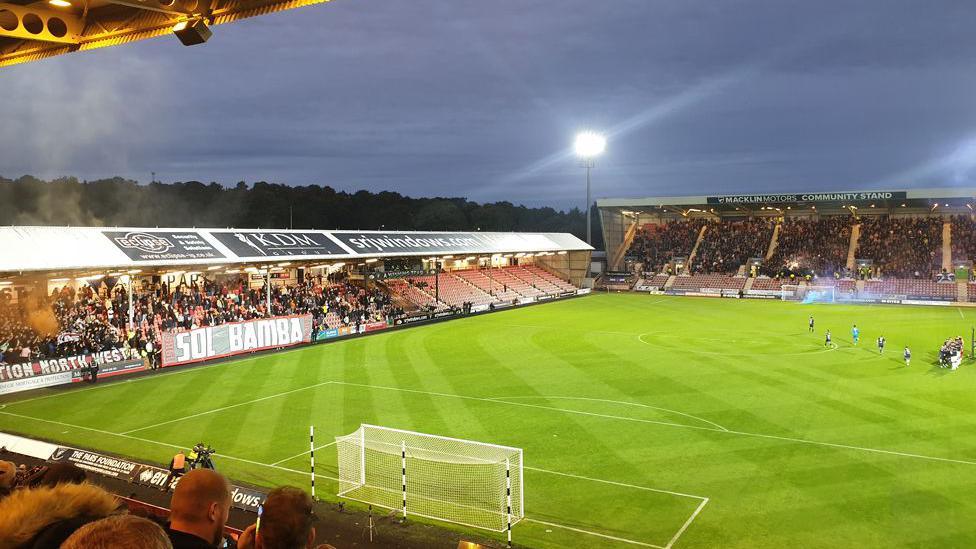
{"x":855,"y":334}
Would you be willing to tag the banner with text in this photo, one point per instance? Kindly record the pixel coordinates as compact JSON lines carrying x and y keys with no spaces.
{"x":807,"y":197}
{"x":279,"y":244}
{"x":236,"y":338}
{"x":108,"y":361}
{"x":163,"y":245}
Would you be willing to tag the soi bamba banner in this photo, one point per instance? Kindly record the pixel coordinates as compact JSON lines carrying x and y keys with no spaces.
{"x":236,"y":338}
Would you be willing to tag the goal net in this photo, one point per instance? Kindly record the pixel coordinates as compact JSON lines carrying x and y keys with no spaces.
{"x":807,"y":294}
{"x":461,"y":481}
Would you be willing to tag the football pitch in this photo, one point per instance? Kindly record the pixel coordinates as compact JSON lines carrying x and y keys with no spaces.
{"x":646,"y":421}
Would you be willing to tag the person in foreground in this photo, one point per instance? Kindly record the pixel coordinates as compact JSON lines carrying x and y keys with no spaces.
{"x":287,"y":522}
{"x":199,"y":510}
{"x":119,"y":532}
{"x":58,"y":503}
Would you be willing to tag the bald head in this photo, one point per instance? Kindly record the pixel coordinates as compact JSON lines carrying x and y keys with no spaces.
{"x":195,"y":493}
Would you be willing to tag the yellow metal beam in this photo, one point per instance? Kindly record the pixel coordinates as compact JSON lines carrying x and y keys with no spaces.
{"x":39,"y":24}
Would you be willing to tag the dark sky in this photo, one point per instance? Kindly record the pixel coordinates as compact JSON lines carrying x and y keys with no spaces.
{"x":482,"y":98}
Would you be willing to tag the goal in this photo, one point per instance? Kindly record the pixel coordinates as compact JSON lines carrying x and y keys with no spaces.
{"x":807,"y":294}
{"x":461,"y":481}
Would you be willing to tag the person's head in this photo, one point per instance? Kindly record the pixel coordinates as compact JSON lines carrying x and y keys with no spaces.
{"x":119,"y":532}
{"x":287,"y":522}
{"x":59,"y":473}
{"x":201,"y":505}
{"x":8,"y":474}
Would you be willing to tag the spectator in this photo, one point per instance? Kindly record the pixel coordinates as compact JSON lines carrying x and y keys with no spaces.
{"x":199,"y":510}
{"x":8,"y":475}
{"x":818,"y":246}
{"x":43,"y":517}
{"x":119,"y":532}
{"x":902,"y":247}
{"x":287,"y":523}
{"x":728,"y":245}
{"x":657,"y":245}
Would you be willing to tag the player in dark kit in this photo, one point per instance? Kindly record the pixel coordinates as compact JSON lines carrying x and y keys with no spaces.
{"x":827,"y":339}
{"x":908,"y":357}
{"x":881,"y":344}
{"x":811,"y":323}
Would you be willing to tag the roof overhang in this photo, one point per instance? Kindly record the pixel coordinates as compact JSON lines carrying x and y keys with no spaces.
{"x":31,"y":30}
{"x":62,"y":249}
{"x":883,"y":199}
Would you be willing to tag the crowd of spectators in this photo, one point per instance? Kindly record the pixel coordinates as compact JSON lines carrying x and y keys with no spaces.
{"x":902,"y":247}
{"x":811,"y":246}
{"x":963,"y":238}
{"x":95,"y":317}
{"x":54,"y":506}
{"x":656,"y":245}
{"x":729,"y":244}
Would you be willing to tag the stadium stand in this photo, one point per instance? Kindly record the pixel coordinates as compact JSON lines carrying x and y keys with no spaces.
{"x":817,"y":245}
{"x":902,"y":247}
{"x":710,"y":281}
{"x":728,"y":245}
{"x":656,"y":245}
{"x":963,"y":238}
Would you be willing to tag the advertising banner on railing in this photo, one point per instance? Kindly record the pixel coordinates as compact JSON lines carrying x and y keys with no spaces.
{"x":235,"y":338}
{"x":57,"y":371}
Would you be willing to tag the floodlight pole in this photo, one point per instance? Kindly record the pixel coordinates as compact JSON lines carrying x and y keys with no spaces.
{"x":588,"y":164}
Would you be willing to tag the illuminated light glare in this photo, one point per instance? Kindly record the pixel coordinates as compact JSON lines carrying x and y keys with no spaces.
{"x":60,"y":3}
{"x":590,"y":144}
{"x":284,"y":264}
{"x":373,"y":260}
{"x":135,"y":271}
{"x":214,"y":268}
{"x":179,"y":26}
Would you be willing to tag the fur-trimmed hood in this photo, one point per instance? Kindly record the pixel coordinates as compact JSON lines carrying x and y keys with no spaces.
{"x":25,"y":513}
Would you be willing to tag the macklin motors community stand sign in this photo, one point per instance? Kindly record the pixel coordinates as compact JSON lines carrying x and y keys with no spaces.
{"x":235,"y":338}
{"x":15,"y":378}
{"x":807,"y":197}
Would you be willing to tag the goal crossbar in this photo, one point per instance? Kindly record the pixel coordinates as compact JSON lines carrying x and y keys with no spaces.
{"x":462,"y":481}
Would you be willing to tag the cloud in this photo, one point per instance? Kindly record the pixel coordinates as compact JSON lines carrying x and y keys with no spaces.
{"x":426,"y":97}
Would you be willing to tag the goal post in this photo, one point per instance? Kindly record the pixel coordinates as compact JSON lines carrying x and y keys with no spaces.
{"x":808,"y":293}
{"x":465,"y":482}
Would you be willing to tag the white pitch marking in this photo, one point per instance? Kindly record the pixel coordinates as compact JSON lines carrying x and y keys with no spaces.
{"x":222,"y":408}
{"x":564,"y":329}
{"x":278,"y":467}
{"x":303,"y":453}
{"x":527,"y":405}
{"x":696,"y":351}
{"x":597,"y":534}
{"x":158,"y":443}
{"x":960,"y":313}
{"x":682,"y":425}
{"x":614,"y":483}
{"x":687,"y":524}
{"x":152,"y":376}
{"x":703,"y":420}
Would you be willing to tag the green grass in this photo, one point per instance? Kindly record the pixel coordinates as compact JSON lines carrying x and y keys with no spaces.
{"x":724,"y":399}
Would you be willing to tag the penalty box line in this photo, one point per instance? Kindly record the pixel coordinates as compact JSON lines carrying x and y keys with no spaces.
{"x":329,"y":477}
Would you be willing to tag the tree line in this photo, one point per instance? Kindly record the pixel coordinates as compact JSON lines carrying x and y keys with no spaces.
{"x":122,"y":202}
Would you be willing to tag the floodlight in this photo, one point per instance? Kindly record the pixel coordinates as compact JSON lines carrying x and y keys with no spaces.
{"x":590,"y":144}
